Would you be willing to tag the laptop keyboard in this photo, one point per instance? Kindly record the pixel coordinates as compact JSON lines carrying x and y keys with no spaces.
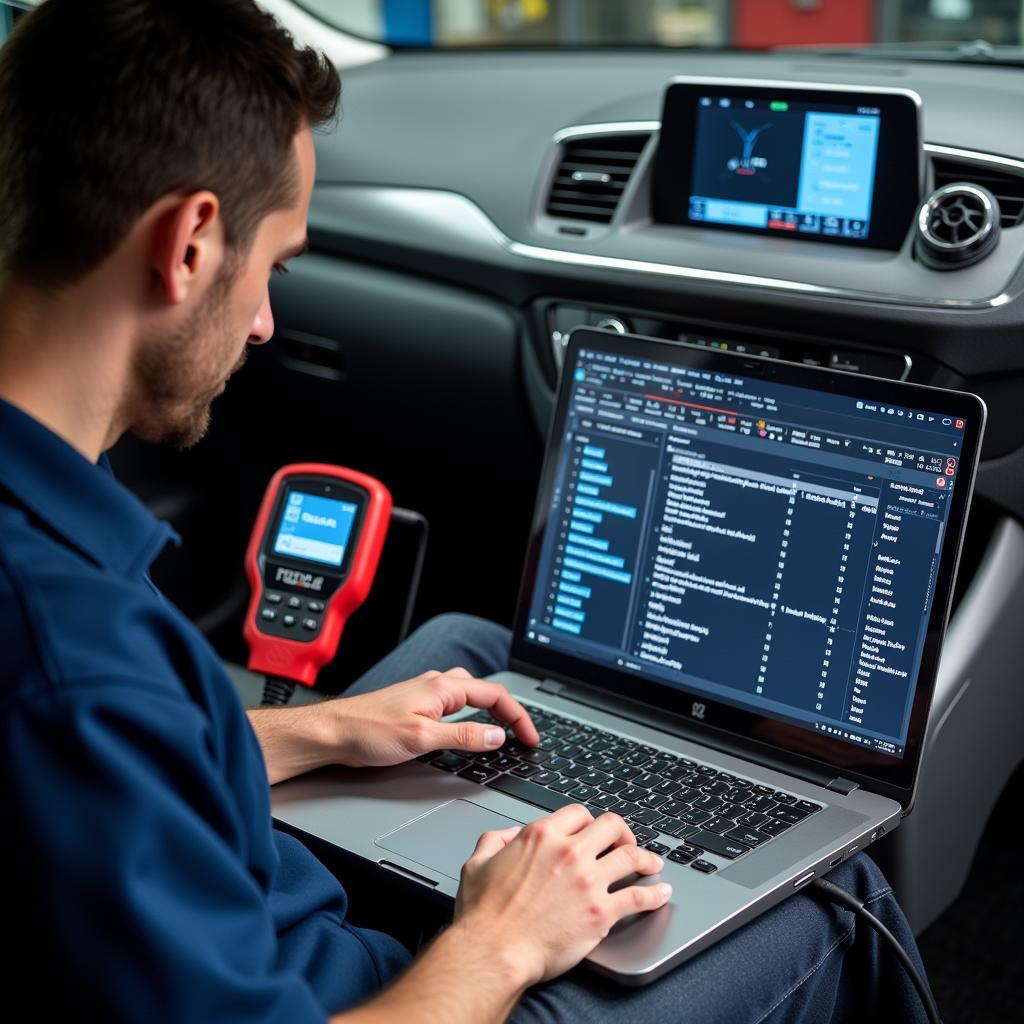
{"x":679,"y":808}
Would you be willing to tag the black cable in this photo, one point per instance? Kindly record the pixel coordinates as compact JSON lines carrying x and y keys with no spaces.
{"x":834,"y":894}
{"x":408,"y":517}
{"x":277,"y":692}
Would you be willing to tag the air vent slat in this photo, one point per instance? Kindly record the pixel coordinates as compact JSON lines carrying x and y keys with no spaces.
{"x":562,"y":188}
{"x":1006,"y":186}
{"x":602,"y":167}
{"x":569,"y":196}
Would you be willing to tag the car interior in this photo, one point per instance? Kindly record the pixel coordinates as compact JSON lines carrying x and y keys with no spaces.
{"x":502,"y":173}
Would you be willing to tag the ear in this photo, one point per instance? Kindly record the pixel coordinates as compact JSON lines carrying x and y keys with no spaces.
{"x":188,"y":245}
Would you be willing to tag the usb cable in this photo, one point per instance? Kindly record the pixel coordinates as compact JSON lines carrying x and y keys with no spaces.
{"x":833,"y":894}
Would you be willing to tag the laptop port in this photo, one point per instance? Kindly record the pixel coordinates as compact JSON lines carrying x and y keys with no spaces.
{"x":835,"y":861}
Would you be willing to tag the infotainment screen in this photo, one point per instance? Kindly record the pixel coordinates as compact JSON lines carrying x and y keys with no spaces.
{"x":828,"y":164}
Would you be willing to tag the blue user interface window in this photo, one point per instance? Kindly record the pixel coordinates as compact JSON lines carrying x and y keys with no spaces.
{"x":783,"y":166}
{"x":315,"y":528}
{"x":773,"y":547}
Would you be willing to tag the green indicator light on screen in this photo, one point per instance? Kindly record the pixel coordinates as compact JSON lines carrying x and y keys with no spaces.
{"x":779,"y":105}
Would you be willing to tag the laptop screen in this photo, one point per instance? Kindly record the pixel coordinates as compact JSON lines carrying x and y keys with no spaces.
{"x":771,"y":547}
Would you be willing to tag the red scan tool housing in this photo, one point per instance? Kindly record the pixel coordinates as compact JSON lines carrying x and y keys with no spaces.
{"x":292,"y":573}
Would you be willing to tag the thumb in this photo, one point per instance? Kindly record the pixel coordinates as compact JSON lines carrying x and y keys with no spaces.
{"x":468,"y":736}
{"x":494,"y":842}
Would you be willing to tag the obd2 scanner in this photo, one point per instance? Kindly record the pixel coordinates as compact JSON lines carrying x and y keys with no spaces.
{"x":311,"y":562}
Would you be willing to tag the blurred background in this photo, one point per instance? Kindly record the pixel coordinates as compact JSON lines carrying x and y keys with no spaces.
{"x":944,"y":27}
{"x":727,"y":23}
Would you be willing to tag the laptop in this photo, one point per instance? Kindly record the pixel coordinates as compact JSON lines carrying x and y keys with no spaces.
{"x":728,"y":630}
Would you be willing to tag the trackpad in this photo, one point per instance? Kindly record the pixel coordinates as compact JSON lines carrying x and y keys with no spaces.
{"x":444,"y":838}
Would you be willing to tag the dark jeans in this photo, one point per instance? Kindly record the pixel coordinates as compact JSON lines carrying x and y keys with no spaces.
{"x":800,"y":961}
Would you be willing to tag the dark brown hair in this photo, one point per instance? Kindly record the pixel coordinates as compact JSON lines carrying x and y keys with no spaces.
{"x":107,"y":105}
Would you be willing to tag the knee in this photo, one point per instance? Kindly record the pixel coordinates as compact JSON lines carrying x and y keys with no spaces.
{"x":459,"y":624}
{"x":861,"y":876}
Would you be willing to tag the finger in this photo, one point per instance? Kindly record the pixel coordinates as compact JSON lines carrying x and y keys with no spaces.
{"x":464,"y":736}
{"x":566,"y":821}
{"x":493,"y":697}
{"x":494,"y":842}
{"x":628,"y":860}
{"x":609,"y":830}
{"x":635,"y":899}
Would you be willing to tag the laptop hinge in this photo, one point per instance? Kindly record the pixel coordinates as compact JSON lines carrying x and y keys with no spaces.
{"x":552,"y":686}
{"x":675,"y":725}
{"x":844,"y":786}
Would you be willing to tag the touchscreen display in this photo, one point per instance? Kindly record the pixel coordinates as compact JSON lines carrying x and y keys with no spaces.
{"x":315,"y":528}
{"x":800,"y":167}
{"x":820,"y":164}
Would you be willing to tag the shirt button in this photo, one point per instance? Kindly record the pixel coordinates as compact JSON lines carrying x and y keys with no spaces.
{"x":294,"y":602}
{"x":310,"y":624}
{"x":289,"y":620}
{"x":273,"y":597}
{"x":269,"y":614}
{"x":316,"y":606}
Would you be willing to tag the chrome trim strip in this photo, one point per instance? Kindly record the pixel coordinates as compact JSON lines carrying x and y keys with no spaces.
{"x":616,"y":128}
{"x":973,"y":156}
{"x":535,"y":252}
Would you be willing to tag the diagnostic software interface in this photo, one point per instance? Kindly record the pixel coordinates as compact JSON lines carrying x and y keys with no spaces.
{"x":773,"y":547}
{"x":790,"y":166}
{"x":315,"y":528}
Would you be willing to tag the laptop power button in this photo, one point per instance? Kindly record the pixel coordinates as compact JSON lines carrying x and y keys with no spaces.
{"x":803,"y":879}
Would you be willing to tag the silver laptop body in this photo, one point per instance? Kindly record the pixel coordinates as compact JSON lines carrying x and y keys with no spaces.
{"x":731,"y":430}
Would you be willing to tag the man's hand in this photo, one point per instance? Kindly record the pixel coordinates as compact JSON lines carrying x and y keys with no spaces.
{"x":540,"y":894}
{"x":401,"y":722}
{"x":533,"y":902}
{"x":387,"y":726}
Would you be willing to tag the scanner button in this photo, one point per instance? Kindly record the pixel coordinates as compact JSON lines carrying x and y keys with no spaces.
{"x":288,"y":620}
{"x":315,"y":606}
{"x":310,"y":624}
{"x":294,"y":602}
{"x":269,"y":614}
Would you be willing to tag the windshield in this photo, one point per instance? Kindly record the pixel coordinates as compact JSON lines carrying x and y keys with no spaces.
{"x":932,"y":28}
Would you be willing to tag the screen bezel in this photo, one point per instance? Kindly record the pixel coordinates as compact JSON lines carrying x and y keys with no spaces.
{"x":896,"y":195}
{"x":322,"y":487}
{"x":800,"y":747}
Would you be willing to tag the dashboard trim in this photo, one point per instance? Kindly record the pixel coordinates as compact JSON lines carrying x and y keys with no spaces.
{"x":547,"y":254}
{"x":461,"y":218}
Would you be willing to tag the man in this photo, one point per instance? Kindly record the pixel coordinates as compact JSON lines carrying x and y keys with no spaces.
{"x":156,"y":165}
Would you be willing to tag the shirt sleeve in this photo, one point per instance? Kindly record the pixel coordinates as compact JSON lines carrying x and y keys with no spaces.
{"x":132,"y":869}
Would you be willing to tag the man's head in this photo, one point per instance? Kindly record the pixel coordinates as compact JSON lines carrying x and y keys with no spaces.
{"x":161,"y":147}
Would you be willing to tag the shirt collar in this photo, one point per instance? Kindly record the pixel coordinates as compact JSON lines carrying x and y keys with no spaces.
{"x":80,"y":500}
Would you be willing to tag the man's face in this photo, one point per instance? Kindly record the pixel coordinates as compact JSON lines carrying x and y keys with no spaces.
{"x":178,"y":376}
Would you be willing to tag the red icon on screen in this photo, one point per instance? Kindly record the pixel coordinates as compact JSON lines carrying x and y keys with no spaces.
{"x":949,"y":471}
{"x":940,"y":481}
{"x":959,"y":424}
{"x":951,"y":463}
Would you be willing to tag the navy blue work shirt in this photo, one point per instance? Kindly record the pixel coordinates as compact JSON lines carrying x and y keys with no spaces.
{"x":147,"y":880}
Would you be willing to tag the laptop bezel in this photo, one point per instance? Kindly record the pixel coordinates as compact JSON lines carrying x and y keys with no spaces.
{"x":803,"y":749}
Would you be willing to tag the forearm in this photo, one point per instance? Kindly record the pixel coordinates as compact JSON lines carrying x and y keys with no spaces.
{"x":458,"y":980}
{"x":293,"y":740}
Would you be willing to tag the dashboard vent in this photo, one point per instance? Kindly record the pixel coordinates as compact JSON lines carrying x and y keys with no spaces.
{"x":1007,"y":187}
{"x":592,"y":175}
